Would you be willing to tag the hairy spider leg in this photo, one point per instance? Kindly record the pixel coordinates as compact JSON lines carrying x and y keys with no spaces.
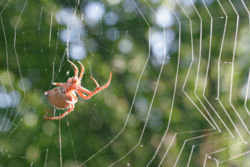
{"x":71,"y":108}
{"x":98,"y":88}
{"x":72,"y":101}
{"x":84,"y":90}
{"x":106,"y":85}
{"x":82,"y":71}
{"x":57,"y":84}
{"x":75,"y":67}
{"x":97,"y":85}
{"x":74,"y":98}
{"x":82,"y":95}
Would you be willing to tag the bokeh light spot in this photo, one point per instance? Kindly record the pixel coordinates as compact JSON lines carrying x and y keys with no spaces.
{"x":110,"y":18}
{"x":32,"y":153}
{"x":114,"y":2}
{"x":49,"y":128}
{"x":125,"y":45}
{"x":30,"y":119}
{"x":5,"y":124}
{"x":77,"y":51}
{"x":112,"y":34}
{"x":164,"y":17}
{"x":94,"y":12}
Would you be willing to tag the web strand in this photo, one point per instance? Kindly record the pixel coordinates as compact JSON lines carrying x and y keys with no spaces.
{"x":200,"y":91}
{"x":232,"y":71}
{"x":173,"y":99}
{"x":130,"y":110}
{"x":190,"y":66}
{"x":219,"y":64}
{"x":60,"y":142}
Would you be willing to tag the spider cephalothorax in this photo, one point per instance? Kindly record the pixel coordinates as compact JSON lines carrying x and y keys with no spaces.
{"x":64,"y":96}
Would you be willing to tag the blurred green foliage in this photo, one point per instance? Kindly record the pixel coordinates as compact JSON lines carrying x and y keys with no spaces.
{"x":33,"y":55}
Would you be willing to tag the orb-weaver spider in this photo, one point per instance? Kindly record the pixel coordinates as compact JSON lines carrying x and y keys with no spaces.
{"x":64,"y":96}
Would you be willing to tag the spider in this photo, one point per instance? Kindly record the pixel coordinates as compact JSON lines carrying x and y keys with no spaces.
{"x":64,"y":95}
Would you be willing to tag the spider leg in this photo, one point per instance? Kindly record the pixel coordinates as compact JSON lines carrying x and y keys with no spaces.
{"x":82,"y":71}
{"x":75,"y":67}
{"x":84,"y":90}
{"x":71,"y":108}
{"x":104,"y":86}
{"x":98,"y":88}
{"x":83,"y":95}
{"x":57,"y":84}
{"x":74,"y":98}
{"x":97,"y":85}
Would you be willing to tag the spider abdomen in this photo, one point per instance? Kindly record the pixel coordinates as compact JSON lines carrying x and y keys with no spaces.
{"x":58,"y":98}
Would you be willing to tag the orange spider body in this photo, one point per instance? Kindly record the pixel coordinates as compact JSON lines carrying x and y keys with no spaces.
{"x":58,"y":98}
{"x":64,"y":96}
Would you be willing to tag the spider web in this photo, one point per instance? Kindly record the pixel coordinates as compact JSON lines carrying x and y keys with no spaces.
{"x":178,"y":96}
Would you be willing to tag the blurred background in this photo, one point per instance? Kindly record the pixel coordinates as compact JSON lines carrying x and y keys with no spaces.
{"x":178,"y":95}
